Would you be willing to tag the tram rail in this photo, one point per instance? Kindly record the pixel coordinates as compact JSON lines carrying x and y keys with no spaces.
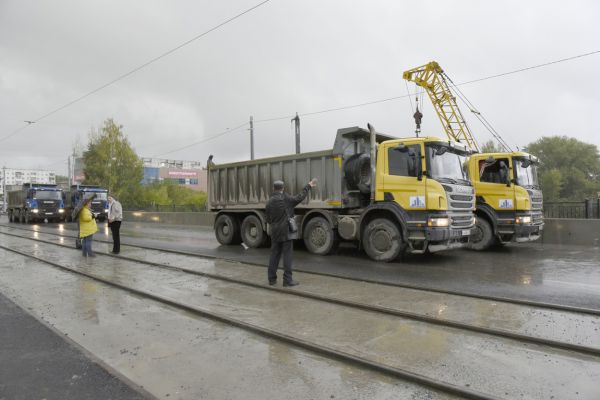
{"x":588,"y":350}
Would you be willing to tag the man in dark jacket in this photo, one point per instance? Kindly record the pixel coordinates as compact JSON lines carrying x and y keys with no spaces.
{"x":280,"y":209}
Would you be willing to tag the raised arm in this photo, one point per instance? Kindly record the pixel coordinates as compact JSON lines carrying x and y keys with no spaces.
{"x":295,"y":200}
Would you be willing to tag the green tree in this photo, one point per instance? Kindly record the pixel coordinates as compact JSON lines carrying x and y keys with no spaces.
{"x":491,"y":147}
{"x":551,"y":184}
{"x":169,"y":194}
{"x":111,"y":162}
{"x":568,"y":166}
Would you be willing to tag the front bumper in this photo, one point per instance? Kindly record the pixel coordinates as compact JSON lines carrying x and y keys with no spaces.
{"x":510,"y":231}
{"x":434,"y":239}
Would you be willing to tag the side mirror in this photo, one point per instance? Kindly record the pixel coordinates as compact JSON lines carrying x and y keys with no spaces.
{"x":525,"y":163}
{"x":440,"y":150}
{"x":505,"y":173}
{"x":415,"y":161}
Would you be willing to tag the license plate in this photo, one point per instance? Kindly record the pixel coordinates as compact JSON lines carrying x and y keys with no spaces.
{"x":466,"y":232}
{"x":49,"y":213}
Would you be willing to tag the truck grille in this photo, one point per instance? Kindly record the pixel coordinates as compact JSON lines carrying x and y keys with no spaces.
{"x":536,"y":199}
{"x":537,"y":218}
{"x":462,"y":221}
{"x":460,"y":198}
{"x":48,"y":207}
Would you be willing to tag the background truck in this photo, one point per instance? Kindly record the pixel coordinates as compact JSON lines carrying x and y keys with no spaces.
{"x":509,"y":200}
{"x":99,"y":204}
{"x":36,"y":202}
{"x":379,"y":192}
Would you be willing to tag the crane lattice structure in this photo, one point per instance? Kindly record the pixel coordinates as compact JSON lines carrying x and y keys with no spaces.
{"x":431,"y":77}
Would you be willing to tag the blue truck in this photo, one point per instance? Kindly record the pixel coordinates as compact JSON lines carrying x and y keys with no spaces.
{"x":99,"y":203}
{"x":36,"y":202}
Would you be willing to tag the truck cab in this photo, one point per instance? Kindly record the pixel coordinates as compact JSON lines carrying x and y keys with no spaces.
{"x":427,"y":178}
{"x":36,"y":202}
{"x":509,"y":199}
{"x":99,"y":203}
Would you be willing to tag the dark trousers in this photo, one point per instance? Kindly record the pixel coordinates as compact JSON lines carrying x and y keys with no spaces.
{"x":114,"y":228}
{"x":277,"y":249}
{"x":86,"y":245}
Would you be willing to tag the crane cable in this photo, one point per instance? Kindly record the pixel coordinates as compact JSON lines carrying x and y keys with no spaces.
{"x":487,"y":125}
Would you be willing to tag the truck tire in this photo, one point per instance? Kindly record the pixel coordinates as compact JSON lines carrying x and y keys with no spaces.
{"x":483,"y":235}
{"x":382,"y":240}
{"x":227,"y":230}
{"x":21,"y":217}
{"x":27,"y":217}
{"x":320,"y":237}
{"x":252,"y":232}
{"x":11,"y":218}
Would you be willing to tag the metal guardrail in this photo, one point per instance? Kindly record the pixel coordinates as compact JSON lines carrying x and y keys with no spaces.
{"x":586,"y":209}
{"x":165,"y":208}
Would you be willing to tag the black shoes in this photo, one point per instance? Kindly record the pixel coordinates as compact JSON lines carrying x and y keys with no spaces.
{"x":290,"y":283}
{"x":114,"y":252}
{"x":272,"y":283}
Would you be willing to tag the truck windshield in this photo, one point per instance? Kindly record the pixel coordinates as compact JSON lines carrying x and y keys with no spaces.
{"x":447,"y":164}
{"x":526,"y":176}
{"x":100,"y":195}
{"x":47,"y":195}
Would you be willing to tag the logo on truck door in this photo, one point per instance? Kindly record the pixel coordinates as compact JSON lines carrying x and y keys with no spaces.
{"x":417,"y":202}
{"x":506,"y":203}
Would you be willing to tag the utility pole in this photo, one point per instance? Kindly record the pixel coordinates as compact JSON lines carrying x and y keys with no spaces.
{"x":3,"y":188}
{"x":251,"y":138}
{"x":70,"y":171}
{"x":296,"y":121}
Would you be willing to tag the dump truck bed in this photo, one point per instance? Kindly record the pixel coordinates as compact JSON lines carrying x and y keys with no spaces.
{"x":249,"y":184}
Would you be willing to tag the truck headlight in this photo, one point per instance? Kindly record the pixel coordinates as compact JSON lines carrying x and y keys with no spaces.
{"x":438,"y":222}
{"x":106,"y":210}
{"x":526,"y":219}
{"x":61,"y":210}
{"x":35,"y":211}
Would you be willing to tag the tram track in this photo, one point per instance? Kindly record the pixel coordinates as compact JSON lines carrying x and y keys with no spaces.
{"x":157,"y":283}
{"x":587,"y":350}
{"x":508,"y":300}
{"x":273,"y":334}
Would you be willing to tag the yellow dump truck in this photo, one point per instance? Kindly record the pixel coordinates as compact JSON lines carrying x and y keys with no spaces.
{"x":388,"y":195}
{"x":508,"y":197}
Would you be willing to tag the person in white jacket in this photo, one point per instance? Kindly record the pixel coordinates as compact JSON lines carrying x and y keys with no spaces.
{"x":115,"y":216}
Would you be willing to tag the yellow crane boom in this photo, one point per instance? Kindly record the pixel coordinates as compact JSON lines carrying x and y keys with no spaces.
{"x":431,"y":78}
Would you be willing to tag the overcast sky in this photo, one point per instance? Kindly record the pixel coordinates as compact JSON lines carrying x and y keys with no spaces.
{"x":284,"y":57}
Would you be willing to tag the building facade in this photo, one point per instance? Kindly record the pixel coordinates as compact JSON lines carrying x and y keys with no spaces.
{"x":189,"y":174}
{"x":15,"y":177}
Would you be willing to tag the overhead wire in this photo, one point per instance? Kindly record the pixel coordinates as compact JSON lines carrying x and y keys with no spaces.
{"x":347,"y":107}
{"x":202,"y":140}
{"x":136,"y":69}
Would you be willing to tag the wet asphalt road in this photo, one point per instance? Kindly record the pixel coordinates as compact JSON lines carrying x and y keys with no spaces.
{"x":566,"y":275}
{"x":39,"y":363}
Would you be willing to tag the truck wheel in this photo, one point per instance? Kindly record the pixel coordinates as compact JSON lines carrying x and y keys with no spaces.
{"x":382,"y":240}
{"x":483,"y":235}
{"x":27,"y":218}
{"x":319,"y":236}
{"x":21,"y":217}
{"x":10,"y":217}
{"x":227,"y":229}
{"x":252,"y":232}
